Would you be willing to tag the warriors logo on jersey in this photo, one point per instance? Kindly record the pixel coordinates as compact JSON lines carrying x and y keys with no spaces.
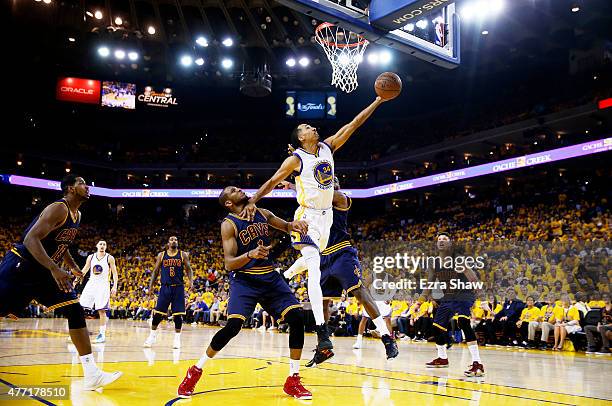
{"x":97,"y":269}
{"x":324,"y":173}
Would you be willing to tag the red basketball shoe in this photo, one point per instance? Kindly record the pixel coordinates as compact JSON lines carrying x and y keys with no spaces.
{"x":476,"y":369}
{"x":186,"y":388}
{"x":293,"y":387}
{"x":438,"y":363}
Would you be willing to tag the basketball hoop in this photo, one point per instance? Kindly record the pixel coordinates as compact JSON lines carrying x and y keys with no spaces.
{"x":344,"y":49}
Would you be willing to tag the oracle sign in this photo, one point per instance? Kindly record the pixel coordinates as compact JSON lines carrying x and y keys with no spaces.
{"x":78,"y":90}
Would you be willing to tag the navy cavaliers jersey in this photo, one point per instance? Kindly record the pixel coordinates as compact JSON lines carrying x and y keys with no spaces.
{"x":172,"y":269}
{"x":57,"y":242}
{"x":250,"y":234}
{"x":446,"y":275}
{"x":339,"y":237}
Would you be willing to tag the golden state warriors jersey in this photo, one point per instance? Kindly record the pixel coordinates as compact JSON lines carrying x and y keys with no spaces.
{"x":99,"y":269}
{"x":315,"y":183}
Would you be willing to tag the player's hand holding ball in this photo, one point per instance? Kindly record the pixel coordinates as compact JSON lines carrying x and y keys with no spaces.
{"x":388,"y":86}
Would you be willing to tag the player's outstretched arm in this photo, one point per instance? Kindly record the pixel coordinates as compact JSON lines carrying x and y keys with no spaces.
{"x":285,"y":226}
{"x":188,"y":266}
{"x":340,"y":200}
{"x":113,"y":267}
{"x":158,"y":262}
{"x":337,"y":140}
{"x":289,"y":165}
{"x":50,"y":219}
{"x":230,"y":249}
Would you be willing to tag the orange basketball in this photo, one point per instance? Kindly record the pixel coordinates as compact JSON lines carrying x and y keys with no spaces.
{"x":388,"y":85}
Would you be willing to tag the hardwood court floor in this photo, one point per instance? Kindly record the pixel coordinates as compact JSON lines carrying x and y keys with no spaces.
{"x":253,"y":367}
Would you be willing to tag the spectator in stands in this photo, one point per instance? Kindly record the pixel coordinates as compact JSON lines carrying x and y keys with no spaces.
{"x":528,"y":323}
{"x":546,"y":319}
{"x":506,"y":319}
{"x":567,"y":321}
{"x":215,"y":313}
{"x":201,"y":313}
{"x":604,"y":327}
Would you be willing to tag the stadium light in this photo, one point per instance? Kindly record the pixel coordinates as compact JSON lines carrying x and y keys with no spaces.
{"x":118,"y":20}
{"x":228,"y":42}
{"x":575,"y":9}
{"x":304,"y":62}
{"x":199,"y":61}
{"x":98,"y":15}
{"x":291,"y":62}
{"x":186,"y":60}
{"x":409,"y":27}
{"x":151,"y":30}
{"x":119,"y":54}
{"x":202,"y":41}
{"x":385,"y":57}
{"x":344,"y":59}
{"x":103,"y":52}
{"x":47,"y":1}
{"x":373,"y":58}
{"x":422,"y":24}
{"x":482,"y":9}
{"x":71,"y":39}
{"x":227,"y":63}
{"x":132,"y":55}
{"x":89,"y":13}
{"x":485,"y":32}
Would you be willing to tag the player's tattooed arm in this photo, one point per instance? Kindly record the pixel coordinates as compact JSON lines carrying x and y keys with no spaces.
{"x":285,"y":226}
{"x":113,"y":267}
{"x":342,"y":136}
{"x":289,"y":165}
{"x":189,"y":270}
{"x":50,"y":219}
{"x":230,"y":249}
{"x":155,"y":272}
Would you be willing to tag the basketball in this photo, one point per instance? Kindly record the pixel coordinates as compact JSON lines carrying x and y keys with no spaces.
{"x":388,"y":85}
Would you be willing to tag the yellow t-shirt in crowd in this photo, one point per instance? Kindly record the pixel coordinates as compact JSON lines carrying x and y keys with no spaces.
{"x":398,"y":306}
{"x":208,"y":298}
{"x":547,"y":312}
{"x":424,"y":310}
{"x":532,"y":314}
{"x":353,"y":308}
{"x":596,"y":304}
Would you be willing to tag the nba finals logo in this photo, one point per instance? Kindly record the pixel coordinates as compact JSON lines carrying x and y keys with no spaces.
{"x":97,"y":270}
{"x":324,"y":174}
{"x":520,"y":161}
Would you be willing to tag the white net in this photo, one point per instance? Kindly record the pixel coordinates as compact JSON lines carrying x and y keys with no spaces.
{"x":344,"y":49}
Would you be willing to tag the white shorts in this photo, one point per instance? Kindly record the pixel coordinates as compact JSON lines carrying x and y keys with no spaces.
{"x":573,"y":329}
{"x":319,"y":224}
{"x":383,"y":307}
{"x":95,"y":296}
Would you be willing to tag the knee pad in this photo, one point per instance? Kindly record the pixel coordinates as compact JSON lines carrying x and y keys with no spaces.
{"x":178,"y":321}
{"x":76,"y":316}
{"x":295,"y":319}
{"x":157,"y":318}
{"x":223,"y":336}
{"x":466,"y":327}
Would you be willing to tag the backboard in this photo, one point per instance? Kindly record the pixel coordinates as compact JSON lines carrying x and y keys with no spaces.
{"x":425,"y":29}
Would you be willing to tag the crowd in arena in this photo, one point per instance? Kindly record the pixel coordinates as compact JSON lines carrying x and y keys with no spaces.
{"x":547,"y":275}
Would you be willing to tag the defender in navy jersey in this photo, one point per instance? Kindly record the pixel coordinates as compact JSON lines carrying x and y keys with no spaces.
{"x":33,"y":270}
{"x":341,"y":273}
{"x":253,"y":279}
{"x":171,"y":263}
{"x":453,"y":302}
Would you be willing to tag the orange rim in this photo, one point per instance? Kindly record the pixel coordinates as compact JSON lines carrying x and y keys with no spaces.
{"x":334,"y":44}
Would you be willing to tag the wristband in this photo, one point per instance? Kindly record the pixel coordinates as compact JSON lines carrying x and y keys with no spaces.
{"x":248,"y":255}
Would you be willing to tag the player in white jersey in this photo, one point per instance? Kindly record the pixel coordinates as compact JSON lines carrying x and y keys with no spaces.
{"x":97,"y":292}
{"x":314,"y":162}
